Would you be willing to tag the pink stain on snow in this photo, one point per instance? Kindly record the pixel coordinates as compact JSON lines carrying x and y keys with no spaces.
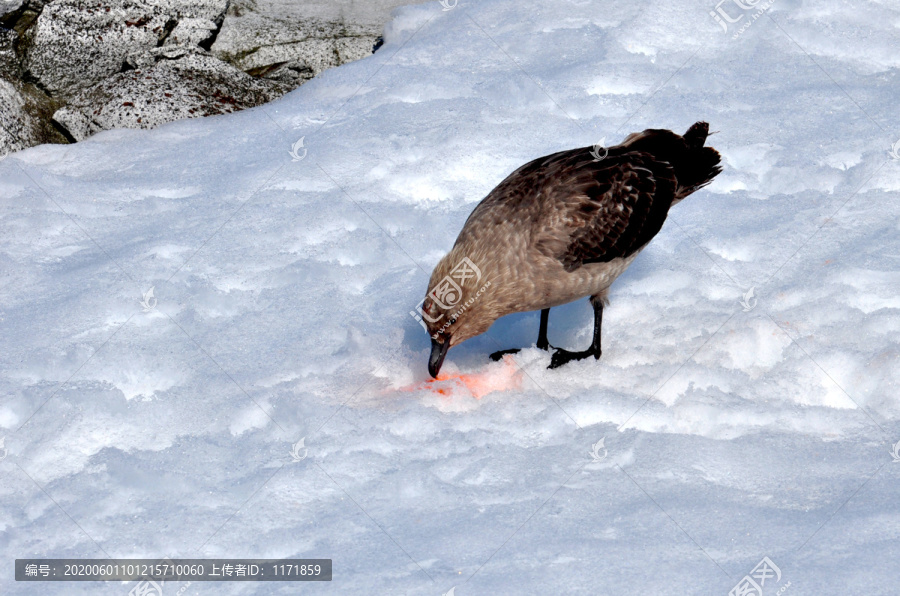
{"x":502,"y":377}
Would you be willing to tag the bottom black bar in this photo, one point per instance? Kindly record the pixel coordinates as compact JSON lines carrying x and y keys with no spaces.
{"x":172,"y":570}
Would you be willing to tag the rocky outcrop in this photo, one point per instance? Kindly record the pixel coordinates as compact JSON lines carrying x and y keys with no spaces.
{"x":25,"y":118}
{"x":181,"y":83}
{"x":72,"y":68}
{"x":294,"y":41}
{"x":24,"y":111}
{"x":78,"y":43}
{"x":15,"y":130}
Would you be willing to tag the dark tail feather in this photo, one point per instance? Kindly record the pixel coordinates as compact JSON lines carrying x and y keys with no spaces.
{"x":696,"y":135}
{"x":695,"y":165}
{"x":700,"y":164}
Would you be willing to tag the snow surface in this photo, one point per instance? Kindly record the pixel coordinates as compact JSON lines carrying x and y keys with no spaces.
{"x":282,"y":293}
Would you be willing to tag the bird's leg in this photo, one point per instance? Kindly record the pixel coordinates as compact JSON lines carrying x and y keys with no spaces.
{"x":542,"y":341}
{"x":561,"y":356}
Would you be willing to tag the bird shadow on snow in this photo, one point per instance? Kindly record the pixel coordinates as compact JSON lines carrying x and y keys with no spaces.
{"x":566,"y":326}
{"x":569,"y":327}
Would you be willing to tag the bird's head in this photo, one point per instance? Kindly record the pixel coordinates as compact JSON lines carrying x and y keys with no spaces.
{"x":457,"y":306}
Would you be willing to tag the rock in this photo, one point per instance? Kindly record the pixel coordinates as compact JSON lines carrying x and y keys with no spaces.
{"x":312,"y":56}
{"x":183,"y":84}
{"x":292,"y":74}
{"x":349,"y":49}
{"x":292,"y":41}
{"x":193,"y":32}
{"x":9,"y":10}
{"x":21,"y":20}
{"x":24,"y":118}
{"x":78,"y":43}
{"x":24,"y":111}
{"x":92,"y":65}
{"x":14,"y":125}
{"x":315,"y":54}
{"x":140,"y":59}
{"x":9,"y":62}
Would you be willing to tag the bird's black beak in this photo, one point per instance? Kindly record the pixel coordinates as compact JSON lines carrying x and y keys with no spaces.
{"x":438,"y":351}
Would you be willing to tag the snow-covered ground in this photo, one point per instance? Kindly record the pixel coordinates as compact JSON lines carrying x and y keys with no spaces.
{"x":734,"y":426}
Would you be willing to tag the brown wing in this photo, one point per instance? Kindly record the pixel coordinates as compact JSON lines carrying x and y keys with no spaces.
{"x":580,"y":210}
{"x":595,"y":212}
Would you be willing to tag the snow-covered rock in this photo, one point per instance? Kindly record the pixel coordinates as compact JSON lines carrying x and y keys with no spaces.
{"x":180,"y":84}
